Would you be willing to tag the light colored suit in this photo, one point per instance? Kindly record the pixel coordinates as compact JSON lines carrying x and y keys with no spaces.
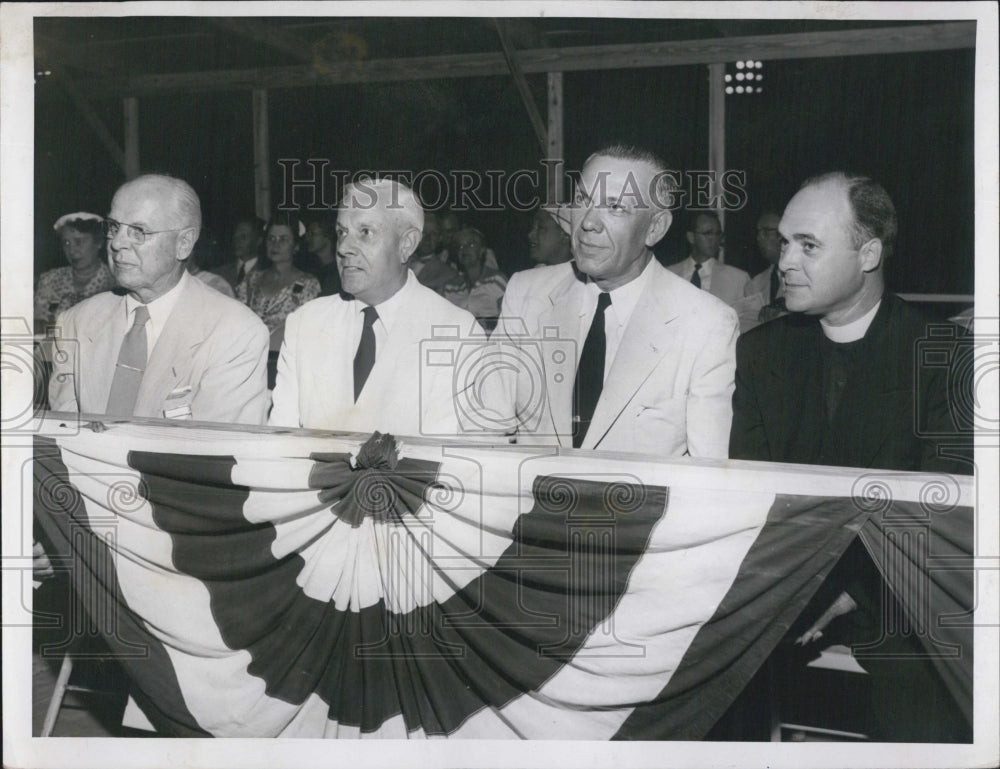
{"x":728,"y":283}
{"x":761,"y":284}
{"x":669,"y":389}
{"x":757,"y":295}
{"x":209,"y":363}
{"x":412,"y":387}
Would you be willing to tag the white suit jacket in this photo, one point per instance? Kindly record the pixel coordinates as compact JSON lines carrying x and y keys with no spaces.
{"x":209,"y":362}
{"x":412,"y":388}
{"x":728,"y":282}
{"x":669,"y":390}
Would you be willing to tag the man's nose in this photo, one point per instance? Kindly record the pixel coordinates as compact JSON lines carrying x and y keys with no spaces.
{"x":788,"y":258}
{"x":590,"y":221}
{"x":120,"y":239}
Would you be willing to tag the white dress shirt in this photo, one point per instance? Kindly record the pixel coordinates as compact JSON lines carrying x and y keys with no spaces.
{"x":616,"y":317}
{"x":388,"y":314}
{"x":159,"y":312}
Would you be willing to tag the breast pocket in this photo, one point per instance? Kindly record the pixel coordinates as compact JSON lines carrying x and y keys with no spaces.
{"x":660,"y":426}
{"x":177,"y":404}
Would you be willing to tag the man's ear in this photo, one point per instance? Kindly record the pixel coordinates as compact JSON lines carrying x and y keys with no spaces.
{"x":185,"y":243}
{"x":690,"y":238}
{"x":658,"y":227}
{"x":870,"y":255}
{"x":408,"y":243}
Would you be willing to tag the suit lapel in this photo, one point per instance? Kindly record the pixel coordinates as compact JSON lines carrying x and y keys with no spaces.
{"x":569,"y":303}
{"x":646,"y":339}
{"x":872,"y":390}
{"x":99,"y":345}
{"x":171,"y":358}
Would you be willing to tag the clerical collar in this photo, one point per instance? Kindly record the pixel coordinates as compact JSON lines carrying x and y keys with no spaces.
{"x":850,"y":332}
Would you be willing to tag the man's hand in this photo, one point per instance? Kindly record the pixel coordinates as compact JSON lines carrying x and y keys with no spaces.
{"x":41,"y":565}
{"x":843,"y":605}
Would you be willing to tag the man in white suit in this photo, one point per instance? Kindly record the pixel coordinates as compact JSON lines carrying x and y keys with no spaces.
{"x":631,"y":357}
{"x":703,"y":269}
{"x":384,"y":354}
{"x":170,"y":346}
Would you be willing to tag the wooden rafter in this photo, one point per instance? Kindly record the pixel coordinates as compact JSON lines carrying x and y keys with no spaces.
{"x":522,"y":87}
{"x":804,"y":45}
{"x":271,"y":36}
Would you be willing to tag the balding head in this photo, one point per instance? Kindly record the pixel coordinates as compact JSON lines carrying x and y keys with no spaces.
{"x":154,"y":223}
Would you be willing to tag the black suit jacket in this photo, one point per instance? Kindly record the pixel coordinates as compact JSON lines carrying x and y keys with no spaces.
{"x":894,"y":413}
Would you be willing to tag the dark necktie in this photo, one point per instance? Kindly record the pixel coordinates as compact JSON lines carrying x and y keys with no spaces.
{"x":775,"y":282}
{"x":695,"y":277}
{"x":130,"y":367}
{"x":590,"y":373}
{"x":241,"y":273}
{"x":364,"y":358}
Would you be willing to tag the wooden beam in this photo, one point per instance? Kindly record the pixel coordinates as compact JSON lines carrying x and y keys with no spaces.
{"x":271,"y":36}
{"x":717,"y":136}
{"x":555,"y":150}
{"x":522,"y":87}
{"x":131,"y":137}
{"x":95,"y":122}
{"x":261,"y":156}
{"x":804,"y":45}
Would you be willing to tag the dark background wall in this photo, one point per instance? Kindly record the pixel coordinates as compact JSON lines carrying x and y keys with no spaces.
{"x":906,"y":119}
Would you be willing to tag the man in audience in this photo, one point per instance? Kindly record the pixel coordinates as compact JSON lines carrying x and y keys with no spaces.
{"x":650,"y":357}
{"x":170,"y":346}
{"x":321,"y":244}
{"x":426,"y":263}
{"x":764,"y":296}
{"x":247,"y":239}
{"x":548,"y":241}
{"x":449,"y":226}
{"x":838,"y":382}
{"x":357,"y":361}
{"x":702,"y":267}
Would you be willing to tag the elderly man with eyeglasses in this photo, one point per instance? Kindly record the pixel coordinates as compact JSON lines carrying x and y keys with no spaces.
{"x":165,"y":345}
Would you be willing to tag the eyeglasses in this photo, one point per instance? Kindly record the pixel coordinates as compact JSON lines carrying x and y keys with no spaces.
{"x":709,"y":233}
{"x":278,"y":239}
{"x":134,"y":232}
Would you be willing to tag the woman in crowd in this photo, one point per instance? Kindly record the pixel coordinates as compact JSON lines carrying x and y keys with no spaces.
{"x":485,"y":283}
{"x":82,"y":238}
{"x":280,"y":288}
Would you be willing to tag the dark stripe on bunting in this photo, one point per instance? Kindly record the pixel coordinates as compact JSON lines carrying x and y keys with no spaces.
{"x":59,"y":508}
{"x":504,"y":634}
{"x":793,"y":553}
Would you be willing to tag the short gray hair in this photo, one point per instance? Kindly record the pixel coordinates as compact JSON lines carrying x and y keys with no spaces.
{"x":187,"y":205}
{"x":665,"y":188}
{"x":392,"y":195}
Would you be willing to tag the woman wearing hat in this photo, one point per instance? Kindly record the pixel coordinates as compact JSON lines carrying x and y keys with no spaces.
{"x":82,"y":240}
